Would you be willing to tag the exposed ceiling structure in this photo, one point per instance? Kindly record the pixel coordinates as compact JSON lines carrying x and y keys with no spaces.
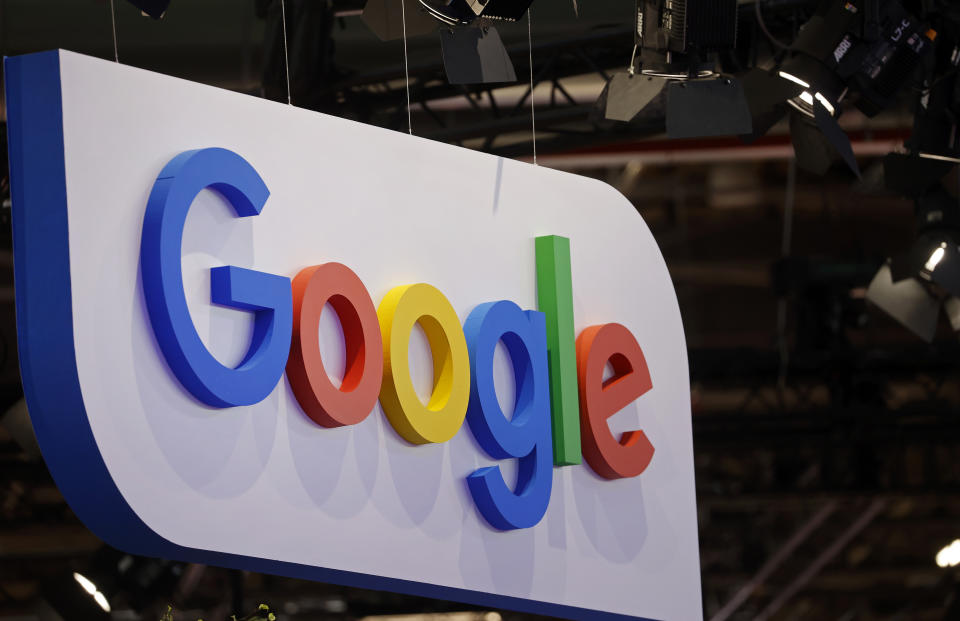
{"x":826,"y":435}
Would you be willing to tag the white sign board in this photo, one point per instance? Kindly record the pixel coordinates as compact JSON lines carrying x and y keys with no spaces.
{"x":154,"y":465}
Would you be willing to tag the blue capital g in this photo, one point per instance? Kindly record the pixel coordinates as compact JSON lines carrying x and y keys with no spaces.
{"x":268,"y":296}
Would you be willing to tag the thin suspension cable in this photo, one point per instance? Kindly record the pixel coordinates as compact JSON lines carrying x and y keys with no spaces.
{"x":533,"y":108}
{"x":637,"y":37}
{"x":406,"y":64}
{"x":113,"y":20}
{"x":286,"y":54}
{"x":763,"y":26}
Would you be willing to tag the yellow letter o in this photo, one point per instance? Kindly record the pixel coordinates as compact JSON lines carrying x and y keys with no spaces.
{"x":442,"y":417}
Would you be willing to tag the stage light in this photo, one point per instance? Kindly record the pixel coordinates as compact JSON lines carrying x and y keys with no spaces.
{"x":506,"y":10}
{"x":463,"y":12}
{"x":75,"y":598}
{"x":804,"y":101}
{"x":818,"y":84}
{"x":949,"y":556}
{"x":914,"y":286}
{"x":473,"y":52}
{"x":91,"y":590}
{"x":843,"y":50}
{"x":865,"y":51}
{"x":935,"y":257}
{"x":672,"y":72}
{"x":152,"y":8}
{"x":111,"y":576}
{"x":449,"y":12}
{"x":908,"y":301}
{"x":793,"y":78}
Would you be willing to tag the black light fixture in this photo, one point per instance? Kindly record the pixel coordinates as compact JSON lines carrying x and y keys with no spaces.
{"x":473,"y":52}
{"x":673,"y":73}
{"x":152,"y":8}
{"x":505,"y":10}
{"x":75,"y":597}
{"x":874,"y":51}
{"x":914,"y":286}
{"x":464,"y":12}
{"x":867,"y":50}
{"x":934,"y":145}
{"x":450,"y":12}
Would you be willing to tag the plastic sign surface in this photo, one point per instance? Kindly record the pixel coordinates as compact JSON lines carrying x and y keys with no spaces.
{"x":259,"y":337}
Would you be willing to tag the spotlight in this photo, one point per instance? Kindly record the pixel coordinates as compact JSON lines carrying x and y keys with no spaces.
{"x":506,"y":10}
{"x":475,"y":54}
{"x":152,"y":8}
{"x":450,"y":12}
{"x":949,"y":556}
{"x":111,"y":577}
{"x":75,"y":598}
{"x":463,"y":12}
{"x":867,"y":50}
{"x":92,"y":591}
{"x":674,"y":61}
{"x":827,"y":93}
{"x":914,"y":286}
{"x":934,"y":258}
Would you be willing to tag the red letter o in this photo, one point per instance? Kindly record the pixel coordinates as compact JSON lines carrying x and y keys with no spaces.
{"x":323,"y":402}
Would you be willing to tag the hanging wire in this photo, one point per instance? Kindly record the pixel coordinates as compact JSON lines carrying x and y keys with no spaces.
{"x":633,"y":60}
{"x":533,"y":108}
{"x":637,"y":37}
{"x":113,"y":20}
{"x":286,"y":54}
{"x":406,"y":64}
{"x":766,"y":31}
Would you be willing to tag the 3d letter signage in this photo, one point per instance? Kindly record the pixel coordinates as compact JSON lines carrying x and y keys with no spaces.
{"x":231,"y":353}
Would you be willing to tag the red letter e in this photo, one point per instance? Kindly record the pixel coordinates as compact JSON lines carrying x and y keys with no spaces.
{"x":599,"y":399}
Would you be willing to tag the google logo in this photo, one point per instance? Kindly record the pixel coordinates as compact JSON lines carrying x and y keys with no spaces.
{"x":563,"y":400}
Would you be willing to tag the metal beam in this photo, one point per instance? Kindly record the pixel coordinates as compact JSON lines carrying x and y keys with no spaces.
{"x":802,"y":534}
{"x":822,"y":560}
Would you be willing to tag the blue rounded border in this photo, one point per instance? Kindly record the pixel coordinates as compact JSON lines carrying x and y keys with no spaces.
{"x":48,"y":359}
